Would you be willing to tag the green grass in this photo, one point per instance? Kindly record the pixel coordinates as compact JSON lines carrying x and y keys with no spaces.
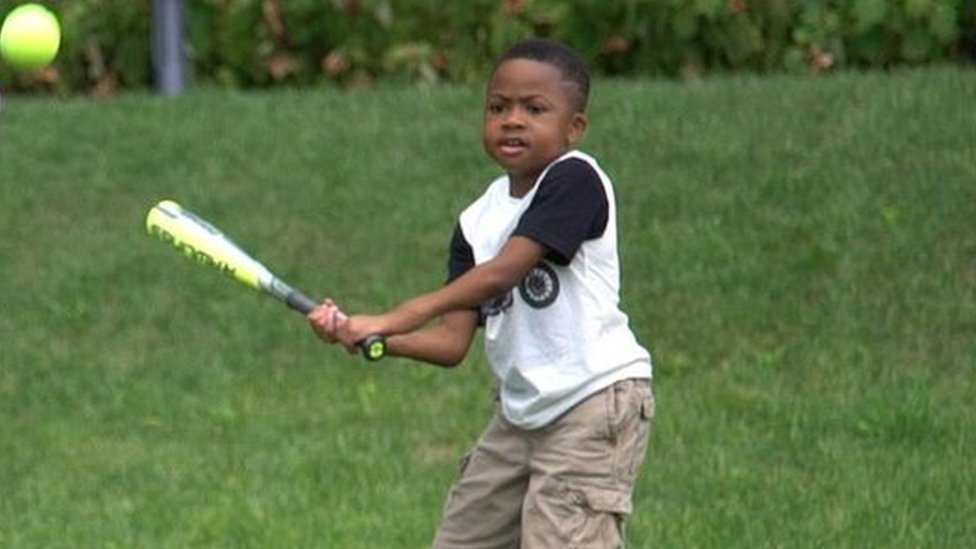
{"x":799,"y":254}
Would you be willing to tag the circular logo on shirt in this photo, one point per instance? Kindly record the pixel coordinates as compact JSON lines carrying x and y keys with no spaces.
{"x":540,"y":287}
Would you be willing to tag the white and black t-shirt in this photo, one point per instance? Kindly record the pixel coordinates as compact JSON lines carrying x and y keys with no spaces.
{"x":559,"y":336}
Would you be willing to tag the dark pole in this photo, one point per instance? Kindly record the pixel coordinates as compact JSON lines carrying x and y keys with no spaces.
{"x":169,"y":62}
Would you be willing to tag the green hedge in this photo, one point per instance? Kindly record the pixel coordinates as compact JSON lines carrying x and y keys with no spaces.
{"x":258,"y":43}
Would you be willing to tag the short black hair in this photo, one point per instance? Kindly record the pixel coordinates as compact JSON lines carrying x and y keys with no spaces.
{"x":561,"y":56}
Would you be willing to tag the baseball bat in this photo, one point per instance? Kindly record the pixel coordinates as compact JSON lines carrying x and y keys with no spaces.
{"x":201,"y":241}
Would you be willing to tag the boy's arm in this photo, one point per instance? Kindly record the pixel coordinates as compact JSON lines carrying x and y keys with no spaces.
{"x":445,"y":343}
{"x":466,"y":292}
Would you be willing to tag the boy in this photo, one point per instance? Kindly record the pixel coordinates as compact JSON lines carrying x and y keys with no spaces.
{"x":534,"y":261}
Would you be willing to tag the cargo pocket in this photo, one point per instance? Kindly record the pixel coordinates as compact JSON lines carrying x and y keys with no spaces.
{"x":633,"y":432}
{"x":586,"y":516}
{"x":647,"y":411}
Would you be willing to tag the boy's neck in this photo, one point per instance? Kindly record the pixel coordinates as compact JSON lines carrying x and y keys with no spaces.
{"x":517,"y":188}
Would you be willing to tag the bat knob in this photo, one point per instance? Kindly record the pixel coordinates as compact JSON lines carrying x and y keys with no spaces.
{"x":373,"y":347}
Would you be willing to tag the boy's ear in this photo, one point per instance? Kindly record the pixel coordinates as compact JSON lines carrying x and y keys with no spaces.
{"x":577,"y":127}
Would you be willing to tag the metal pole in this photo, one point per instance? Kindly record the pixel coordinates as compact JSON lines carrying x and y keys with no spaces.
{"x":169,"y":61}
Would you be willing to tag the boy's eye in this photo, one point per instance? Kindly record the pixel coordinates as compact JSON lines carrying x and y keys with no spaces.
{"x":535,"y":109}
{"x":496,"y":108}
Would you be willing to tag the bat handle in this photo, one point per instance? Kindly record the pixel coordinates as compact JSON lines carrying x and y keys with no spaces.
{"x":373,"y":347}
{"x":300,"y":302}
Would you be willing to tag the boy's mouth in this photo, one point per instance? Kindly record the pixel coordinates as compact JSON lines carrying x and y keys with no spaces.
{"x":512,"y":145}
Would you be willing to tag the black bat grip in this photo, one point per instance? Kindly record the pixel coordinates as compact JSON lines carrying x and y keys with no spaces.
{"x":373,"y":347}
{"x":300,"y":302}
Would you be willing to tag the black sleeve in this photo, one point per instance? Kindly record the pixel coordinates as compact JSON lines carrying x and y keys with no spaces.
{"x":461,"y":258}
{"x":569,"y":208}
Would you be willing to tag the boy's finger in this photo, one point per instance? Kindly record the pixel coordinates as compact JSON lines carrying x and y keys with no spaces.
{"x":319,"y":312}
{"x":326,"y":319}
{"x":336,"y":319}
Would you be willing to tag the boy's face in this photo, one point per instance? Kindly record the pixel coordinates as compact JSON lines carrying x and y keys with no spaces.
{"x":529,"y":119}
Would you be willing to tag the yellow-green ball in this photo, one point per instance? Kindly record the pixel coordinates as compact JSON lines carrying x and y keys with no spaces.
{"x":30,"y":37}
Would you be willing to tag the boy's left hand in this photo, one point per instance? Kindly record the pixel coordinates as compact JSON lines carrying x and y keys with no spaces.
{"x":357,"y":328}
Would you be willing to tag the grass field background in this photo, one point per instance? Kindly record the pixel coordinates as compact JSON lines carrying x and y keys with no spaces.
{"x":798,"y":253}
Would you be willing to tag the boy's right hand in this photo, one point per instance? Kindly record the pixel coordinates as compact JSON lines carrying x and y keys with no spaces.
{"x":326,"y":319}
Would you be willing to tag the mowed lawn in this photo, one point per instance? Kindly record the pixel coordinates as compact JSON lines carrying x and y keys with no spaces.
{"x":798,"y":253}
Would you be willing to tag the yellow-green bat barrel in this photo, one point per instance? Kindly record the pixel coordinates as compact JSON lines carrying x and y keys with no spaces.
{"x":200,"y":241}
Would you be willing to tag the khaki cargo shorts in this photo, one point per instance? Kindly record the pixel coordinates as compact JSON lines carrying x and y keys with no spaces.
{"x":566,"y":485}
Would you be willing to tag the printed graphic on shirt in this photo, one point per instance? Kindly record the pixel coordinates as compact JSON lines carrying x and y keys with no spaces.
{"x":540,"y":287}
{"x":497,"y":305}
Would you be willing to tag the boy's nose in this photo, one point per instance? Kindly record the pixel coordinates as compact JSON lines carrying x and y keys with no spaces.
{"x":513,"y":118}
